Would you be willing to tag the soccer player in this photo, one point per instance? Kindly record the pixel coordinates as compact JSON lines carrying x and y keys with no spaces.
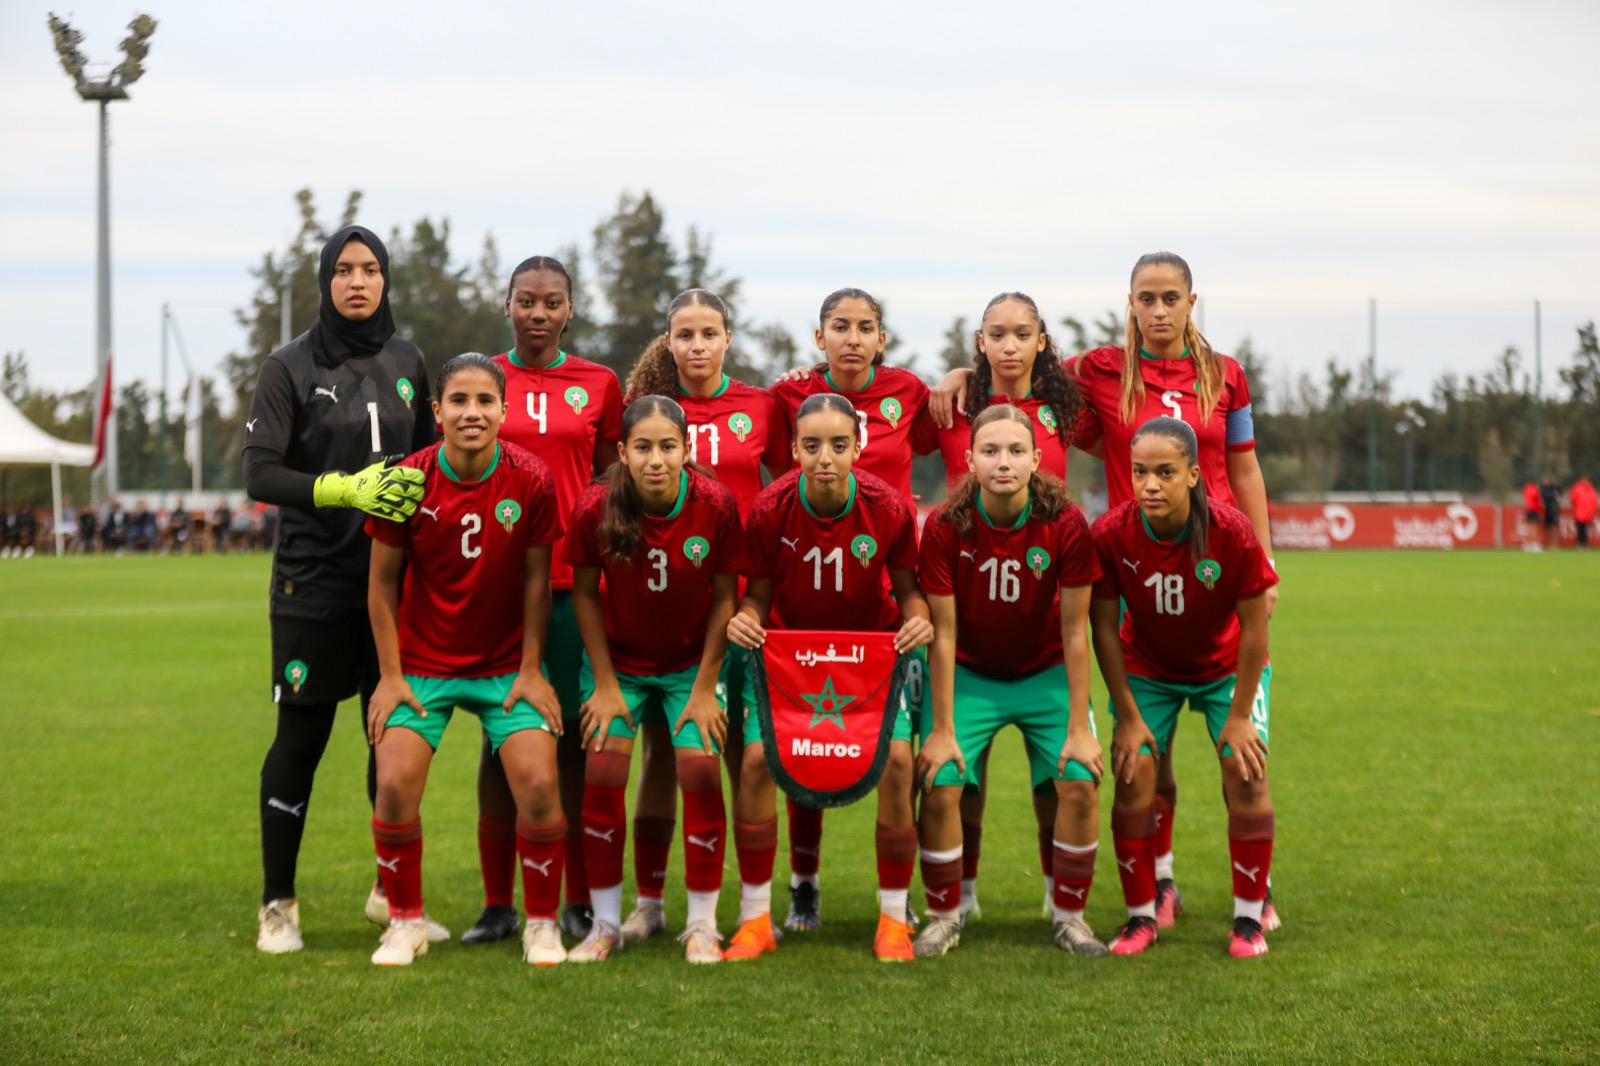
{"x":734,"y":431}
{"x":891,"y":407}
{"x":667,"y":540}
{"x":468,"y":632}
{"x":567,"y":411}
{"x":1165,"y":367}
{"x":340,"y":397}
{"x":1015,"y":362}
{"x":1007,"y":565}
{"x":806,"y":532}
{"x":1194,"y":579}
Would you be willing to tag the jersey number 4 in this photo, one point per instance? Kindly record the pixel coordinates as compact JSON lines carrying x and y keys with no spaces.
{"x":536,"y":411}
{"x":1169,"y":592}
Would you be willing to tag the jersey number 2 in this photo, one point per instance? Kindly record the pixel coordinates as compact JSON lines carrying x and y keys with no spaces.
{"x":473,"y":524}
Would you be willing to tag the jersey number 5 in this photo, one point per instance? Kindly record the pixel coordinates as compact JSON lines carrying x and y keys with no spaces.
{"x":1170,"y":400}
{"x":1169,"y":592}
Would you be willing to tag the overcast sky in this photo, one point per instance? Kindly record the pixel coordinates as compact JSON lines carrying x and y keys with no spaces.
{"x":1441,"y":157}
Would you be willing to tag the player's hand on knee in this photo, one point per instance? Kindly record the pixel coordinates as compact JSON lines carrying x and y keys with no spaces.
{"x":537,"y":692}
{"x":1082,"y":747}
{"x":1131,"y":737}
{"x":708,"y":716}
{"x":386,"y":698}
{"x":1249,"y":754}
{"x":939,"y":749}
{"x":599,"y":712}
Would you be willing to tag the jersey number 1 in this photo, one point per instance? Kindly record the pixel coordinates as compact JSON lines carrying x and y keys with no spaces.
{"x":372,"y":419}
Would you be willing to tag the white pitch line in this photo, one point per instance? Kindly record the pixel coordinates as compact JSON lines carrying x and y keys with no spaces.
{"x":133,"y":609}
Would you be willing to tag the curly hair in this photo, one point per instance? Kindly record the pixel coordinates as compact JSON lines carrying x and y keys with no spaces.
{"x":1047,"y":495}
{"x":1051,"y":383}
{"x":655,"y":372}
{"x":1209,"y":370}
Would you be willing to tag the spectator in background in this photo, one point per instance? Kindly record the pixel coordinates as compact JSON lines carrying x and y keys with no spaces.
{"x":178,"y":528}
{"x":114,"y":528}
{"x":88,"y":527}
{"x":27,"y":531}
{"x":8,"y":532}
{"x":267,"y":528}
{"x":1583,"y":497}
{"x":221,"y":522}
{"x":1532,"y":516}
{"x":142,"y":530}
{"x":240,"y":529}
{"x":1550,"y":505}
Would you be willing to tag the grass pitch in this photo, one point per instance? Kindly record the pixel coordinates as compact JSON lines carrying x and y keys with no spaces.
{"x":1436,"y":739}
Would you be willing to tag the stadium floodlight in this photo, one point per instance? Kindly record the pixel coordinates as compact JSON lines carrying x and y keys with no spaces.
{"x":103,"y":90}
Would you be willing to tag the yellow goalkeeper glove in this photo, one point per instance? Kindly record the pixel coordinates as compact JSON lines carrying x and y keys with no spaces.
{"x":382,"y":489}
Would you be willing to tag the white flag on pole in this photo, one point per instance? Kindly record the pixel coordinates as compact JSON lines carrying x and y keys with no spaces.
{"x":191,"y":436}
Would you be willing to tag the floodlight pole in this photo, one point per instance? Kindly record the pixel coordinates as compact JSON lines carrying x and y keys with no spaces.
{"x":103,"y":91}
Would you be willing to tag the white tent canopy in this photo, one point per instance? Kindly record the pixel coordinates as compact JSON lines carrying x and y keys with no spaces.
{"x":24,"y":444}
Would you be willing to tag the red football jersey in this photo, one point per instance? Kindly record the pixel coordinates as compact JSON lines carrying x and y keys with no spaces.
{"x":1168,"y":390}
{"x":657,"y":605}
{"x":734,"y":433}
{"x":570,"y":415}
{"x":893,"y":403}
{"x":1005,"y":581}
{"x":830,"y":573}
{"x":1181,"y":623}
{"x":461,"y":604}
{"x":955,"y":442}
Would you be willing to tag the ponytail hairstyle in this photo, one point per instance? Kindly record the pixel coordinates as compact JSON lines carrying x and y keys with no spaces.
{"x":471,"y":361}
{"x":655,"y":373}
{"x":621,"y":530}
{"x":1050,"y":380}
{"x":832,"y":301}
{"x":827,"y":401}
{"x":1209,"y":371}
{"x":1047,"y":494}
{"x":1181,"y":433}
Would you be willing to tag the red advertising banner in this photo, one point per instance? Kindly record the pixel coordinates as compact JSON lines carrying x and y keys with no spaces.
{"x":1323,"y":526}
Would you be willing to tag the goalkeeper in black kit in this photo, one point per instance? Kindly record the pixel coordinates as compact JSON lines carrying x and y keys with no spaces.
{"x":333,"y":410}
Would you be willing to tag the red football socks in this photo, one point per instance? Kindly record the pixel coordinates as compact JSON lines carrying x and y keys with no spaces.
{"x":399,"y":849}
{"x":705,"y":822}
{"x":1133,"y":834}
{"x":541,"y":850}
{"x":805,"y":839}
{"x":604,"y":825}
{"x":497,"y":852}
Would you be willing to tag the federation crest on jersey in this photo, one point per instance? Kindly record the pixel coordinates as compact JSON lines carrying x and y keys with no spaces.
{"x":508,"y":511}
{"x":1208,"y":570}
{"x":697,"y":550}
{"x":890,"y":409}
{"x":1047,"y":418}
{"x":741,"y":424}
{"x":863,"y":548}
{"x":577,"y":398}
{"x":1038,"y":561}
{"x":295,"y":671}
{"x":405,"y":389}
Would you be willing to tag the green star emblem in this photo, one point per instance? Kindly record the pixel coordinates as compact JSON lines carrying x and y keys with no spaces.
{"x":827,"y":705}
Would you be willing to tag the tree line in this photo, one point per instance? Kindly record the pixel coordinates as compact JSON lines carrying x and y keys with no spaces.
{"x":1475,"y":434}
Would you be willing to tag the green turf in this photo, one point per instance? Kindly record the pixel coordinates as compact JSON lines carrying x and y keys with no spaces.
{"x":1434,"y":769}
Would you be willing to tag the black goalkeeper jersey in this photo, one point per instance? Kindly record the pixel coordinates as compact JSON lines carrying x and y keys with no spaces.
{"x":308,"y":417}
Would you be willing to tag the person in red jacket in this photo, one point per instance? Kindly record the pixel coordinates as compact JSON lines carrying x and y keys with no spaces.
{"x":1532,"y":517}
{"x":1583,"y":497}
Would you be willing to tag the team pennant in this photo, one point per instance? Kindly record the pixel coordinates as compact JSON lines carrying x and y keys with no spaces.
{"x":825,"y":702}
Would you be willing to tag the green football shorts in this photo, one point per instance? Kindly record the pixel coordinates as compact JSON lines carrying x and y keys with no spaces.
{"x":658,"y":698}
{"x":563,"y":653}
{"x":1160,"y":701}
{"x":1036,"y":704}
{"x":482,"y":696}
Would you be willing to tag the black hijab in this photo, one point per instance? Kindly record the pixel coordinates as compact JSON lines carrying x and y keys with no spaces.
{"x":335,"y":338}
